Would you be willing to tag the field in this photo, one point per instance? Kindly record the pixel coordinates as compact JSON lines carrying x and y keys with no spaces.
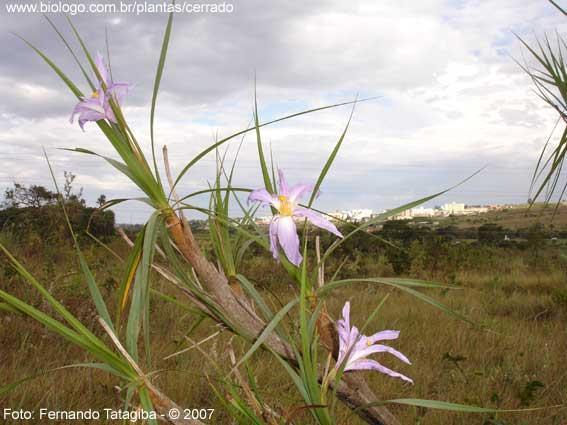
{"x":510,"y":358}
{"x":516,"y":217}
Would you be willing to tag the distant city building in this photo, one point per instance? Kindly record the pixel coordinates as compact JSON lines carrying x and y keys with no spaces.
{"x":263,"y":220}
{"x":339,"y":215}
{"x":476,"y":209}
{"x":404,"y":215}
{"x":357,"y":215}
{"x":453,"y":208}
{"x":423,"y":212}
{"x":365,"y":214}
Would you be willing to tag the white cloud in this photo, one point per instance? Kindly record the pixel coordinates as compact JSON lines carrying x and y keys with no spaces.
{"x":453,"y":99}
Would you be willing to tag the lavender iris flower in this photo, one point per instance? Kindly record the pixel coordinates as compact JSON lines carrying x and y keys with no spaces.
{"x":283,"y":231}
{"x":356,"y":347}
{"x":97,"y":106}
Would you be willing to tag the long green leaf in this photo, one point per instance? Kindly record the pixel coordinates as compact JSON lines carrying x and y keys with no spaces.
{"x":239,"y":133}
{"x":82,"y":339}
{"x":249,"y":288}
{"x":331,"y":159}
{"x":267,"y":331}
{"x":157,"y":81}
{"x":129,"y":273}
{"x":150,"y":238}
{"x":403,"y":285}
{"x":92,"y":340}
{"x":390,"y":213}
{"x":138,"y":317}
{"x":147,"y":405}
{"x":55,"y":68}
{"x":263,"y":165}
{"x":135,"y":318}
{"x":443,"y":405}
{"x":97,"y":298}
{"x":71,"y":51}
{"x":5,"y":389}
{"x":127,"y":169}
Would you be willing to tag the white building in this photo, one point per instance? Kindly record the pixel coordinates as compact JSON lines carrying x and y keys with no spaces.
{"x":263,"y":220}
{"x":404,"y":215}
{"x":339,"y":215}
{"x":476,"y":209}
{"x":423,"y":212}
{"x":356,"y":215}
{"x":453,"y":208}
{"x":359,"y":215}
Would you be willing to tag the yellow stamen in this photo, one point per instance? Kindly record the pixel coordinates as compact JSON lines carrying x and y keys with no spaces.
{"x":95,"y":94}
{"x":286,"y":207}
{"x":368,"y":342}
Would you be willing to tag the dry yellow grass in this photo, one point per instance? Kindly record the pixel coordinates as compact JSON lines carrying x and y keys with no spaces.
{"x":518,"y":217}
{"x":452,"y":361}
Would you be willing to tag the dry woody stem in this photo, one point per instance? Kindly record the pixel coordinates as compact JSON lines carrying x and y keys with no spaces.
{"x":352,"y":390}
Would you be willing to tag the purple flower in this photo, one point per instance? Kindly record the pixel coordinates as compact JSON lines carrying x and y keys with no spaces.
{"x":355,"y":348}
{"x":283,"y":231}
{"x":97,"y":106}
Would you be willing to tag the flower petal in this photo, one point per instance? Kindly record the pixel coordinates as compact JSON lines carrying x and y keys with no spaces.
{"x":369,"y":364}
{"x":372,"y":349}
{"x":90,"y":115}
{"x":298,"y":191}
{"x":263,"y":196}
{"x":93,"y":103}
{"x":384,"y":335}
{"x":87,"y":111}
{"x":354,"y":338}
{"x":283,"y":184}
{"x":346,"y":314}
{"x":118,"y":91}
{"x":317,"y":220}
{"x":394,"y":352}
{"x":274,"y":237}
{"x":102,"y":69}
{"x":288,"y":239}
{"x":343,"y":329}
{"x":109,"y":113}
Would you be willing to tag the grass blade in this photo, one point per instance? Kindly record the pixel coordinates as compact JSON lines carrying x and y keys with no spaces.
{"x":91,"y":283}
{"x":267,"y":331}
{"x":239,"y":133}
{"x":157,"y":82}
{"x":263,"y":165}
{"x":454,"y":407}
{"x":330,"y":160}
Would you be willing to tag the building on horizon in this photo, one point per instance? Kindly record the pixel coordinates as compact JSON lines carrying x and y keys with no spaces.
{"x":355,"y":215}
{"x":360,"y":215}
{"x":453,"y":208}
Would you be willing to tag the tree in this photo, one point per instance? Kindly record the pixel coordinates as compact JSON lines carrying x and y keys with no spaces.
{"x":101,"y":200}
{"x":490,"y":233}
{"x":536,"y":238}
{"x":68,"y":194}
{"x":398,"y":230}
{"x":33,"y":196}
{"x":31,"y":212}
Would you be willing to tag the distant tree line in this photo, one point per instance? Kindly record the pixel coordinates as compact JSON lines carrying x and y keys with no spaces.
{"x":487,"y":233}
{"x":408,"y":247}
{"x":32,"y":213}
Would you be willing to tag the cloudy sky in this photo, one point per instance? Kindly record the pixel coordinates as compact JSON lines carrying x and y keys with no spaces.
{"x":452,"y":99}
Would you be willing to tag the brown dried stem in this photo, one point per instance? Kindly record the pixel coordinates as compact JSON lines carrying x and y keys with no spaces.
{"x":352,"y":390}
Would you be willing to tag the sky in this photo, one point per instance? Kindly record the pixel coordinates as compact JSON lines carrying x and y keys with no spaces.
{"x":451,"y":97}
